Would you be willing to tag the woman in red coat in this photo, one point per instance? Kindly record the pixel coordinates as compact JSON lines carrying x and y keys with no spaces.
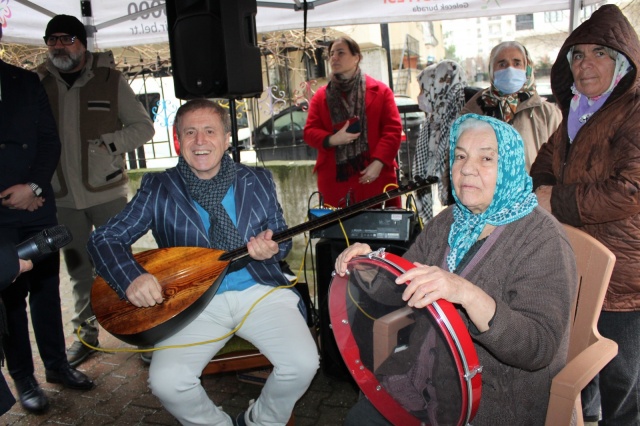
{"x":355,"y":125}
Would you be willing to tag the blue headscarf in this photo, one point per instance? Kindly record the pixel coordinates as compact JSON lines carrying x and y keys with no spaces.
{"x":513,"y":197}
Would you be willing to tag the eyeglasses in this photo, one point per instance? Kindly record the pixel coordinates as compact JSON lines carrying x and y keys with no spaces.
{"x":66,"y":40}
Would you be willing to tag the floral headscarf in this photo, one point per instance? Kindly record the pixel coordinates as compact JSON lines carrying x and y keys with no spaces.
{"x":513,"y":197}
{"x":442,"y":87}
{"x":508,"y":104}
{"x":583,"y":107}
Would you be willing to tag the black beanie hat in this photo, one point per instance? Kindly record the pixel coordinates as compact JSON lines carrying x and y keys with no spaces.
{"x":69,"y":25}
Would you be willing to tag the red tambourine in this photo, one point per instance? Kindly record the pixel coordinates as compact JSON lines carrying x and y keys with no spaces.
{"x":416,"y":366}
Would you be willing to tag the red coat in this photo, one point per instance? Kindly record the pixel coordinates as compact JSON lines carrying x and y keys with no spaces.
{"x":384,"y":130}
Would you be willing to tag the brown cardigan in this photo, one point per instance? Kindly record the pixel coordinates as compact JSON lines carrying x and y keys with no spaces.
{"x":530,"y":272}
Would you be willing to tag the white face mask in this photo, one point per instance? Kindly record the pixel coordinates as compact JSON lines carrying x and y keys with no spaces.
{"x":424,"y":104}
{"x":509,"y":80}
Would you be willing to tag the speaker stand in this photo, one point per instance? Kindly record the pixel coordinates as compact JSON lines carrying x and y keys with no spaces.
{"x":235,"y":150}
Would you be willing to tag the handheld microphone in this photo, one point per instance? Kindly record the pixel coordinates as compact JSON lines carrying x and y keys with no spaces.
{"x":45,"y":242}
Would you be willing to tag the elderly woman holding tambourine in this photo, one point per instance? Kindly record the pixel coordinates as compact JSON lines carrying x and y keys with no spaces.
{"x":504,"y":263}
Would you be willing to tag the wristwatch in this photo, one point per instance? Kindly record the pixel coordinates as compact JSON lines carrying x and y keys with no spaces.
{"x":37,"y":191}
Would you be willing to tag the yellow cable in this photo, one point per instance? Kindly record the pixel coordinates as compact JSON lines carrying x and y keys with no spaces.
{"x":414,"y":208}
{"x":355,"y":303}
{"x":388,"y":185}
{"x":344,"y":232}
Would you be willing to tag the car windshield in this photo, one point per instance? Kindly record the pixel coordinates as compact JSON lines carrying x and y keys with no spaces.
{"x":284,"y":123}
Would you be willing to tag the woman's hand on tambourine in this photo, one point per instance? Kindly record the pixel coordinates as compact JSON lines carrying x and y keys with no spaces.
{"x":427,"y":284}
{"x":262,"y":247}
{"x":350,"y":252}
{"x":144,"y":291}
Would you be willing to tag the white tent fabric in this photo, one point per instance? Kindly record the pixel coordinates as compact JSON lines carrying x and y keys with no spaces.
{"x":133,"y":22}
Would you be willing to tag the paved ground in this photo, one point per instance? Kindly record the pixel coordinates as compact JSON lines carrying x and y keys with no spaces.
{"x":121,"y":396}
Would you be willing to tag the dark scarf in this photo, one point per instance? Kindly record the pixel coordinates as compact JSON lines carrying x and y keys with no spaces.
{"x":503,"y":107}
{"x":209,"y":193}
{"x":346,"y":99}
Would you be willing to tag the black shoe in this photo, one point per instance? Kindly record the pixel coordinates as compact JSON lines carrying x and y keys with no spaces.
{"x":78,"y":352}
{"x":69,"y":378}
{"x":31,"y":396}
{"x":239,"y":421}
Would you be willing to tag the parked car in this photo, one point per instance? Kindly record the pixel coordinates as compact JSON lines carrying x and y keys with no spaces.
{"x":281,"y":136}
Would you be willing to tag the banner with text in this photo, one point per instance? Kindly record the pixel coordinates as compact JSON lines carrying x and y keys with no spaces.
{"x":24,"y":24}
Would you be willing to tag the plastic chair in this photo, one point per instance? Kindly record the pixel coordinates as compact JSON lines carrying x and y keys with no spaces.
{"x":385,"y":333}
{"x":589,"y":352}
{"x":238,"y":355}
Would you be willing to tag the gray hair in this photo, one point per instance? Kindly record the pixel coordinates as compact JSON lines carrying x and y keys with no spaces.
{"x":504,"y":45}
{"x":197,"y":104}
{"x":472,"y":124}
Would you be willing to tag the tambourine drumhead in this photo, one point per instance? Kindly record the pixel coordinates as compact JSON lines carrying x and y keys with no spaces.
{"x":416,"y":366}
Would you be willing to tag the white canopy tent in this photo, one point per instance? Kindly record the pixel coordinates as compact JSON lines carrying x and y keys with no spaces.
{"x":125,"y":22}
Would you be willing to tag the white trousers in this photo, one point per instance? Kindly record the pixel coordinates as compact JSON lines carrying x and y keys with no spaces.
{"x":275,"y":326}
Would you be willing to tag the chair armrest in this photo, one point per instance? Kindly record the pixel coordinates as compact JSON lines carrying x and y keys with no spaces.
{"x":385,"y":333}
{"x":569,"y":382}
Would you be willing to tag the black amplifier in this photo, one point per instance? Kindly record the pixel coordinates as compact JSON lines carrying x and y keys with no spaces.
{"x":388,"y":225}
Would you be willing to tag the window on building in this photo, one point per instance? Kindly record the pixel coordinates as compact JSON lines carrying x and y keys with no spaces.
{"x":553,"y":16}
{"x":524,"y":22}
{"x":587,"y":11}
{"x":428,"y":34}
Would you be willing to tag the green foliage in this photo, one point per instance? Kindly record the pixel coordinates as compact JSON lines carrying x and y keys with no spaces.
{"x":450,"y":53}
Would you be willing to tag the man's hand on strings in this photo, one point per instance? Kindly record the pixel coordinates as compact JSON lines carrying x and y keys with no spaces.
{"x":262,"y":247}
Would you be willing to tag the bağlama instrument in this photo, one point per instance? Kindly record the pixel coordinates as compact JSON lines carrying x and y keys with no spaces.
{"x":190,"y":276}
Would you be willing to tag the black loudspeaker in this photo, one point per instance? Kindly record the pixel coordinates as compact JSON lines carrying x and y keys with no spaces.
{"x":327,"y":251}
{"x":214,"y":51}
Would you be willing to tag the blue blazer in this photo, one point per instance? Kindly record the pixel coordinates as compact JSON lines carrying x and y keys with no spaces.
{"x":163,"y":205}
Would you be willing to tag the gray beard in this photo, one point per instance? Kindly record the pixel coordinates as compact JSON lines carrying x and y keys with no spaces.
{"x":65,"y":63}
